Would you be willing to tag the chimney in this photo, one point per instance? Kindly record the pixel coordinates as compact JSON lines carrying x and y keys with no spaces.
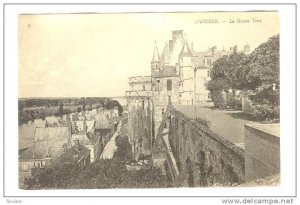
{"x":213,"y":49}
{"x":235,"y":48}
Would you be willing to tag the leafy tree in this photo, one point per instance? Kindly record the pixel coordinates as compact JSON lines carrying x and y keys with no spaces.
{"x":264,"y":63}
{"x":217,"y":85}
{"x":245,"y":72}
{"x":113,"y":103}
{"x":238,"y":71}
{"x":227,"y":72}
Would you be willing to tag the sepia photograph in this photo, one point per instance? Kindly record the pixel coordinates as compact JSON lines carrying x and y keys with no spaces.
{"x":148,"y":100}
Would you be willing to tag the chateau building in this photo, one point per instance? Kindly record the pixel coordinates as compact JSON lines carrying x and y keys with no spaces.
{"x":179,"y":76}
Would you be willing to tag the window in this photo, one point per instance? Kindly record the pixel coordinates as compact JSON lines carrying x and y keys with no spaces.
{"x":169,"y":85}
{"x":208,"y":61}
{"x":134,"y":120}
{"x":143,"y":87}
{"x":208,"y":96}
{"x":162,"y":111}
{"x":24,"y":166}
{"x":157,"y":85}
{"x":208,"y":73}
{"x":143,"y":104}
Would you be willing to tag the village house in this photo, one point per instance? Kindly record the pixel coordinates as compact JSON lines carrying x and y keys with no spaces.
{"x":103,"y":129}
{"x":48,"y":144}
{"x":84,"y":131}
{"x":93,"y":129}
{"x":90,"y":141}
{"x":77,"y":154}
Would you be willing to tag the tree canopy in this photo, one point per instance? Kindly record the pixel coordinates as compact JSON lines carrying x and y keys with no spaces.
{"x":247,"y":72}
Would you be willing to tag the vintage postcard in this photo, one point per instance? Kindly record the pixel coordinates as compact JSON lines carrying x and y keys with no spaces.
{"x":149,"y":100}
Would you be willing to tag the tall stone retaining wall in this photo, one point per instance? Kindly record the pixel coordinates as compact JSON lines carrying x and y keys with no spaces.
{"x":202,"y":157}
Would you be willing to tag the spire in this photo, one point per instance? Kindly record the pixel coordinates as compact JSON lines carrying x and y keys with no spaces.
{"x":192,"y":46}
{"x":186,"y":51}
{"x":155,"y":57}
{"x":165,"y":54}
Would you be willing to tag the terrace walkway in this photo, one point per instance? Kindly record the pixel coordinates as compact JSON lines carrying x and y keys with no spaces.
{"x":111,"y":147}
{"x":228,"y":124}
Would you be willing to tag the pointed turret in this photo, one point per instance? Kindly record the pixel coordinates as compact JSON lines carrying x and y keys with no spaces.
{"x":165,"y":54}
{"x":155,"y":57}
{"x":155,"y":63}
{"x":186,"y":51}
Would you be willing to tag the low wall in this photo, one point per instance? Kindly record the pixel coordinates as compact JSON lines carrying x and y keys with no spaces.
{"x":262,"y":150}
{"x":202,"y":157}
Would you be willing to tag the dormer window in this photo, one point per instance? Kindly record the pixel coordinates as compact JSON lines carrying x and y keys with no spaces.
{"x":208,"y":62}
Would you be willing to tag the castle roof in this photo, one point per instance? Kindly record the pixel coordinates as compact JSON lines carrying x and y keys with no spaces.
{"x":86,"y":139}
{"x":102,"y":122}
{"x":51,"y":133}
{"x":186,"y":51}
{"x":167,"y":71}
{"x":48,"y":141}
{"x":43,"y":149}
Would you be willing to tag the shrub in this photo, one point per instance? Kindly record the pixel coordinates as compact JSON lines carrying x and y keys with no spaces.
{"x":266,"y":104}
{"x":218,"y":99}
{"x":233,"y":102}
{"x":267,"y":96}
{"x":266,"y":112}
{"x":203,"y":122}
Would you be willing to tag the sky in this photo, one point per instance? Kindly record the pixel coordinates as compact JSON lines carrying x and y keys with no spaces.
{"x":93,"y":55}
